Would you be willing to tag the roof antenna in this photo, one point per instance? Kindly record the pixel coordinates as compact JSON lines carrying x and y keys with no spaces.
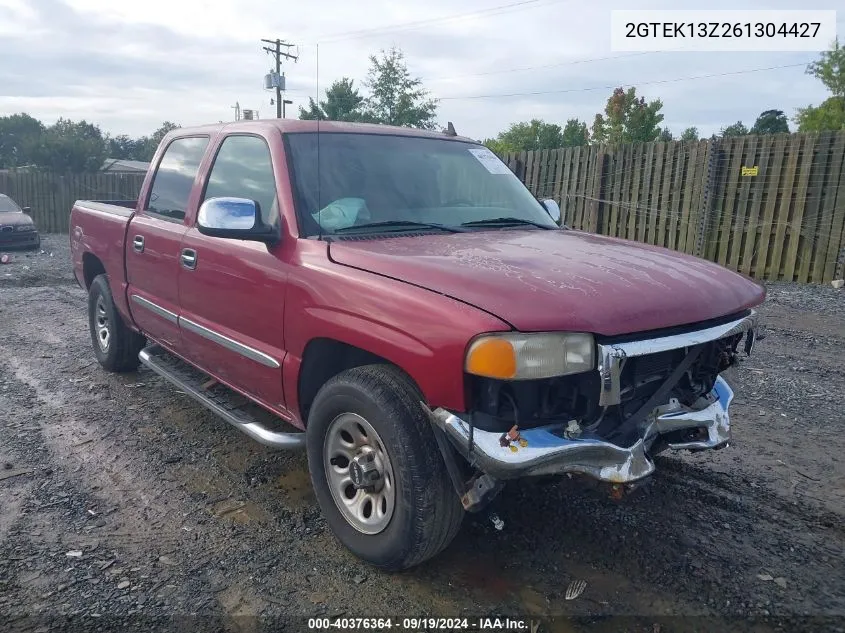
{"x":319,"y":116}
{"x":450,"y":130}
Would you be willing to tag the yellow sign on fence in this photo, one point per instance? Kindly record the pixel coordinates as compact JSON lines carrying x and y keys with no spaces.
{"x":750,"y":171}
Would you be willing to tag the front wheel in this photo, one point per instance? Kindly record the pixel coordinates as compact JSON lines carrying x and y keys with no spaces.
{"x":376,"y":469}
{"x":115,"y":345}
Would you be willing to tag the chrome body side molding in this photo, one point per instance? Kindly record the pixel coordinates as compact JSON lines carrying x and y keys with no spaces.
{"x":222,"y":340}
{"x":164,"y":313}
{"x":230,"y":344}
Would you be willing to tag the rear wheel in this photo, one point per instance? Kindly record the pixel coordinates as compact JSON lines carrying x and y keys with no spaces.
{"x":376,"y":469}
{"x":115,"y":345}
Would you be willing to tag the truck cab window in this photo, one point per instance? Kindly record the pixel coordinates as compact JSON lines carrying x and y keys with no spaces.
{"x":175,"y":177}
{"x":243,"y":169}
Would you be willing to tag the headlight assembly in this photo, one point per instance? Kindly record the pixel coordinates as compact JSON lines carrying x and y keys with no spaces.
{"x":519,"y":356}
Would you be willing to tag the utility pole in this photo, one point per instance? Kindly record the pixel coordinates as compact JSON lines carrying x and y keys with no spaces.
{"x":277,"y":52}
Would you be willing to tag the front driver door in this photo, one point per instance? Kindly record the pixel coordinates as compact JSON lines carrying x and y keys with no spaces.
{"x":232,"y":292}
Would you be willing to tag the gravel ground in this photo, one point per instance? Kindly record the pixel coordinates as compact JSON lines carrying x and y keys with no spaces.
{"x":50,"y":265}
{"x":123,"y":502}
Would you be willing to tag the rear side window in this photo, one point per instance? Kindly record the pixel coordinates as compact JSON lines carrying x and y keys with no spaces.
{"x":243,"y":169}
{"x":175,"y":176}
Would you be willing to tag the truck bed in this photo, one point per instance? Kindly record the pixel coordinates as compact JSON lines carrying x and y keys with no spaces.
{"x":119,"y":207}
{"x":97,"y":236}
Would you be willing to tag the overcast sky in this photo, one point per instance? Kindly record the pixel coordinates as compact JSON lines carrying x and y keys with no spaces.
{"x":129,"y":65}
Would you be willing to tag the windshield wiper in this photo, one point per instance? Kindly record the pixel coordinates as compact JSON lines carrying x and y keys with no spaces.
{"x":399,"y":225}
{"x":507,"y":222}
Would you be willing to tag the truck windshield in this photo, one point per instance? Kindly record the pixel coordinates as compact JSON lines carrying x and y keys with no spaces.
{"x":380,"y":183}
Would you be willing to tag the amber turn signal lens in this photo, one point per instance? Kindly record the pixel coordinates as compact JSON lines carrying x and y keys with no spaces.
{"x":493,"y":358}
{"x":530,"y":355}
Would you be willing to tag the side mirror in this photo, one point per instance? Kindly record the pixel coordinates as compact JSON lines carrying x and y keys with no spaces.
{"x":26,"y":210}
{"x":234,"y":218}
{"x":552,"y":209}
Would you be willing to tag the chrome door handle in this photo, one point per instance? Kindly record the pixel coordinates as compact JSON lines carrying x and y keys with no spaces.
{"x":189,"y":258}
{"x":138,"y":243}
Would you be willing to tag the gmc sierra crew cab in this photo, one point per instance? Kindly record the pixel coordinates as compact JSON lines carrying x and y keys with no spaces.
{"x":398,"y":304}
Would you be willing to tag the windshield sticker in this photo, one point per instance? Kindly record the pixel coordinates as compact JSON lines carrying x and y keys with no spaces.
{"x":490,"y":161}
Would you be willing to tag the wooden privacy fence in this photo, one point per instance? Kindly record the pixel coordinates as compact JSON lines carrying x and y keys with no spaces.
{"x":772,"y":207}
{"x":51,"y":196}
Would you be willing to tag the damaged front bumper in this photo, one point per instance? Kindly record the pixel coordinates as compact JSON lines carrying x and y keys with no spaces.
{"x":555,"y":449}
{"x":547,"y":450}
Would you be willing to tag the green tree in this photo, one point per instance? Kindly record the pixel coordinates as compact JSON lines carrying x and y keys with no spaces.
{"x":162,"y":131}
{"x":628,"y":119}
{"x":690,"y":134}
{"x":312,"y":112}
{"x":498,"y":147}
{"x":342,"y":103}
{"x":830,"y":69}
{"x":771,"y":122}
{"x":145,"y":147}
{"x":20,"y":135}
{"x":575,"y":133}
{"x":395,"y":97}
{"x":666,"y":136}
{"x":531,"y":135}
{"x":829,"y":116}
{"x":122,"y":147}
{"x":71,"y":146}
{"x":736,"y":129}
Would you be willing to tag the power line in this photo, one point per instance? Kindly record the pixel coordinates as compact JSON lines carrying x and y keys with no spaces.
{"x":571,"y":62}
{"x":615,"y":85}
{"x":611,"y":86}
{"x":555,"y":65}
{"x":409,"y":26}
{"x":521,"y":68}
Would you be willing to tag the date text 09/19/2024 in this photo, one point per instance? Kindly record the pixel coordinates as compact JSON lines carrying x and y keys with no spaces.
{"x":419,"y":624}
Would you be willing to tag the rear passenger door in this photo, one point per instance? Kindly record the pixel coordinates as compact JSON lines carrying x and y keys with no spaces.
{"x":232,"y":292}
{"x":154,"y":238}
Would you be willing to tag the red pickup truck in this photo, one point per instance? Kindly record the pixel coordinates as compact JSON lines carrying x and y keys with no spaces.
{"x":399,"y":305}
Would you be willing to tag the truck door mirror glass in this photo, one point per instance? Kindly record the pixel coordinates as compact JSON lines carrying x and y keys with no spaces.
{"x":234,"y":218}
{"x":553,"y":210}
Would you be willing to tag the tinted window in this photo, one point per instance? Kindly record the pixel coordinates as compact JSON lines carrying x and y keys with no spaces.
{"x":243,"y":169}
{"x":175,"y":176}
{"x":369,"y":178}
{"x":6,"y":205}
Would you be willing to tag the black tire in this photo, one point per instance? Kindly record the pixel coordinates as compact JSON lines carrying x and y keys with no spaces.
{"x":120,"y":351}
{"x":37,"y":245}
{"x":427,"y":513}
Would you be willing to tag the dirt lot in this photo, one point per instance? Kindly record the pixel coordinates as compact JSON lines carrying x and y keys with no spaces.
{"x":123,"y":500}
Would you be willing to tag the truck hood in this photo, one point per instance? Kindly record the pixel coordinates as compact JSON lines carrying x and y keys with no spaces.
{"x":559,"y":280}
{"x":14,"y":218}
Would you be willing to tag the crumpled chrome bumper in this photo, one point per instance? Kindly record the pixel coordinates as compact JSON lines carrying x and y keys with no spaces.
{"x":546,"y":450}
